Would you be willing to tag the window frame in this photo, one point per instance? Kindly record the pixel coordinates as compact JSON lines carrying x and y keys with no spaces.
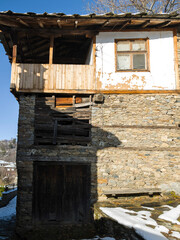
{"x":131,"y":53}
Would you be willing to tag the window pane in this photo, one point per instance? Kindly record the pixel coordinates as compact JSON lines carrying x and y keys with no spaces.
{"x":139,"y":61}
{"x":138,"y":46}
{"x":123,"y":46}
{"x":123,"y":62}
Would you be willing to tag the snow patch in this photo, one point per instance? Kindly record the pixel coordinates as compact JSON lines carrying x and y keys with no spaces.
{"x":167,"y":206}
{"x":175,"y":234}
{"x":171,"y":215}
{"x":8,"y":211}
{"x":148,"y":208}
{"x":162,"y":229}
{"x":137,"y":222}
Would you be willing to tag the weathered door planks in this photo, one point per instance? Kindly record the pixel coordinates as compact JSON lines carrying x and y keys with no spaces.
{"x":61,"y":192}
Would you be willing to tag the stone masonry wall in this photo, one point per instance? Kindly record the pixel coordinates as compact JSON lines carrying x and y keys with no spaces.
{"x":135,"y":144}
{"x":148,"y":130}
{"x":24,"y":167}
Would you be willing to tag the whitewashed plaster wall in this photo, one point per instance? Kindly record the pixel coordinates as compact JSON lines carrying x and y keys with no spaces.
{"x":161,"y":74}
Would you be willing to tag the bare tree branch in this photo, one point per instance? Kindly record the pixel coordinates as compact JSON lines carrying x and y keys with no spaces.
{"x":121,"y":6}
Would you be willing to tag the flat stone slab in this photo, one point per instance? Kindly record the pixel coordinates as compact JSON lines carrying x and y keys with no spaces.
{"x":149,"y":191}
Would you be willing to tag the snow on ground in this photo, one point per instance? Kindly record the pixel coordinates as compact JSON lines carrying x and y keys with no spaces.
{"x":8,"y":211}
{"x":148,"y":208}
{"x":142,"y":222}
{"x":175,"y":234}
{"x":171,"y":215}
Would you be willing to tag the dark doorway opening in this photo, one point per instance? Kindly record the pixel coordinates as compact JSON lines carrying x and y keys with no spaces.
{"x":61,"y":192}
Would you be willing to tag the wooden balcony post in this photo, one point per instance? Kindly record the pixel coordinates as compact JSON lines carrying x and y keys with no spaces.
{"x":51,"y":47}
{"x":14,"y":53}
{"x":51,"y":81}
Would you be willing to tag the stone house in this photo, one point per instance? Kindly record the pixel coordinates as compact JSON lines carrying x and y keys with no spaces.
{"x":99,"y":111}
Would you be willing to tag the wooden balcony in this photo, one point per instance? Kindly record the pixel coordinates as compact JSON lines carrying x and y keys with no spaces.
{"x":52,"y":78}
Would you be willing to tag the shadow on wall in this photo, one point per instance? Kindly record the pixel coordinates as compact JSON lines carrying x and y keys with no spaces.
{"x":65,"y":184}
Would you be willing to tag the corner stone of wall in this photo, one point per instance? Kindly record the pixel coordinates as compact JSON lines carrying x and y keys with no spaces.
{"x":26,"y":121}
{"x":25,"y":167}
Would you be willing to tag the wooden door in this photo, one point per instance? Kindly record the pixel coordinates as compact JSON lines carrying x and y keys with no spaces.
{"x":61,"y":193}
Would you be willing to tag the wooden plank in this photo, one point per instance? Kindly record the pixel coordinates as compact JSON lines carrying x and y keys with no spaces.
{"x":13,"y":73}
{"x":132,"y":191}
{"x":84,"y":91}
{"x":64,"y":100}
{"x":83,"y":104}
{"x":28,"y":76}
{"x":41,"y":85}
{"x":54,"y":73}
{"x":50,"y":77}
{"x":45,"y":76}
{"x":63,"y":76}
{"x":21,"y":80}
{"x":58,"y":77}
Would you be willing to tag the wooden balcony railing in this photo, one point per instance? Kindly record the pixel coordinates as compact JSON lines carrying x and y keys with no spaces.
{"x":52,"y":78}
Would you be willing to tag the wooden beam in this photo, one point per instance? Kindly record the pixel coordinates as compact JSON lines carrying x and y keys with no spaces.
{"x":9,"y":23}
{"x":51,"y":50}
{"x":124,"y":25}
{"x":14,"y":53}
{"x":40,"y":23}
{"x":145,"y":24}
{"x":164,"y":24}
{"x":52,"y":31}
{"x":105,"y":24}
{"x":22,"y":22}
{"x":59,"y":23}
{"x":76,"y":24}
{"x":83,"y":91}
